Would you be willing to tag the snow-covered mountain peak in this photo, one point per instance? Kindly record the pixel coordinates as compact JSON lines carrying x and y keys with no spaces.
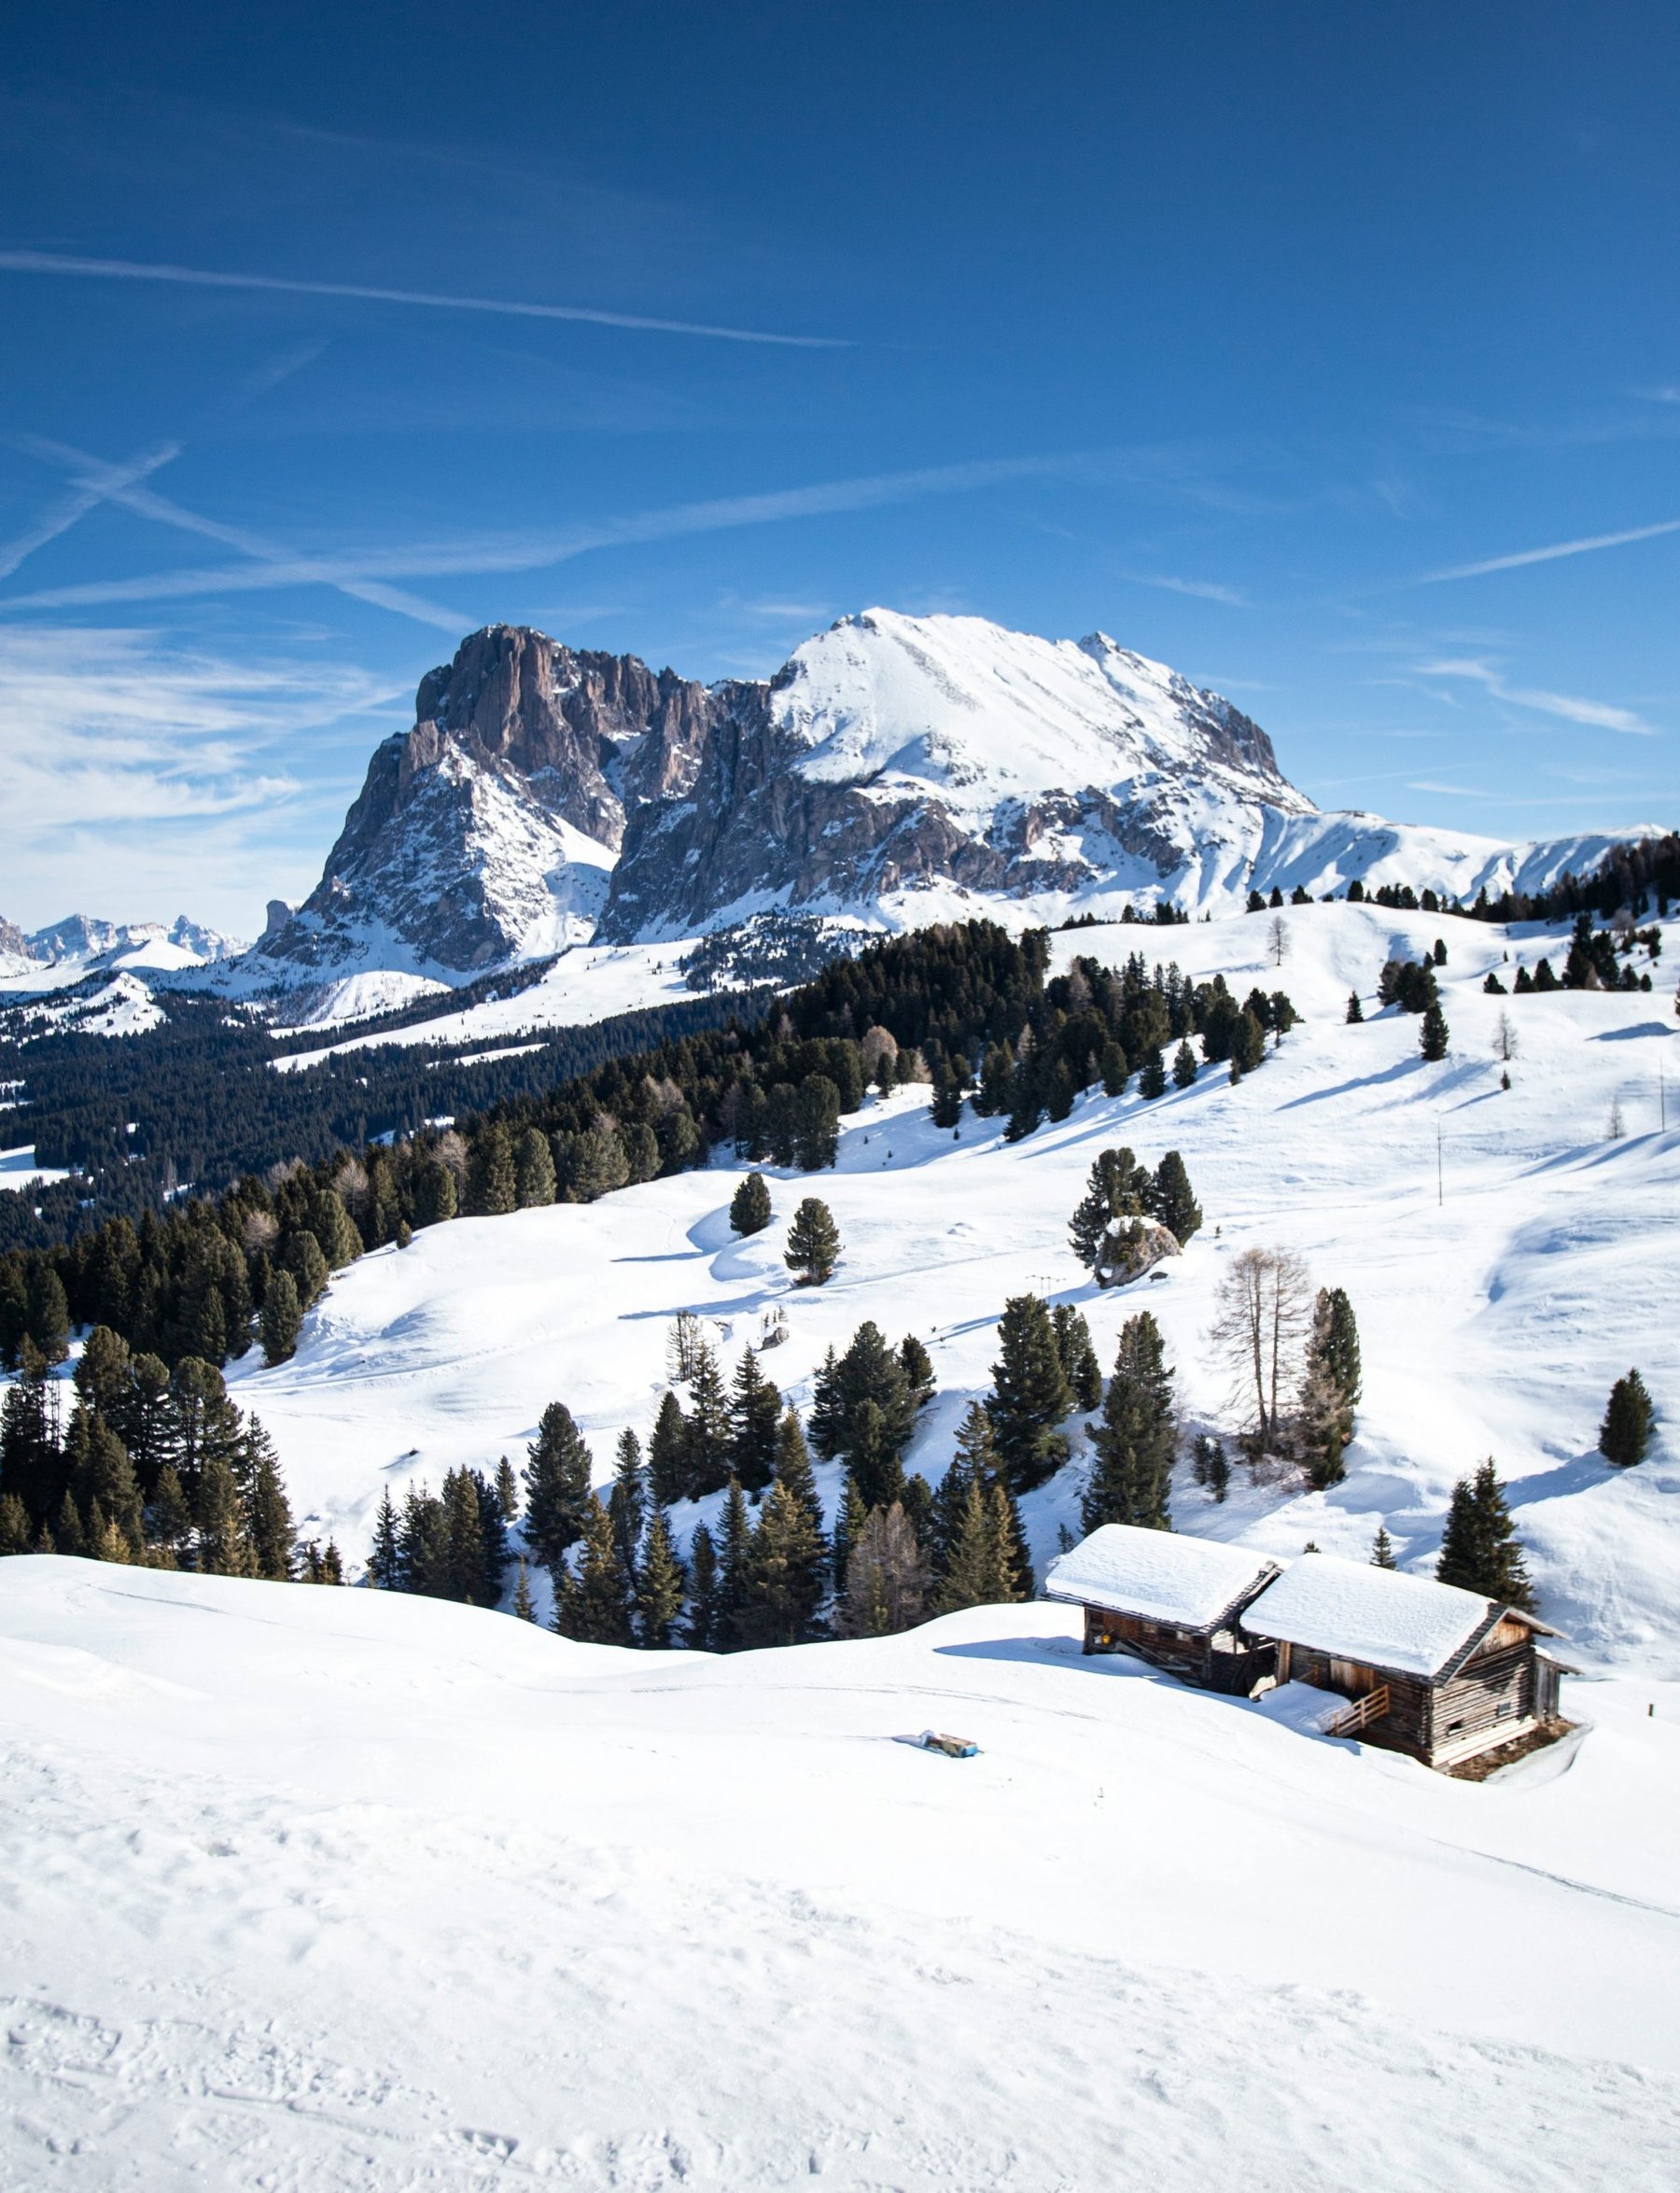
{"x":886,"y":700}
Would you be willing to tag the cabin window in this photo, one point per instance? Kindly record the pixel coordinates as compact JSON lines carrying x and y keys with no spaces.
{"x":1502,"y":1709}
{"x":1453,"y":1727}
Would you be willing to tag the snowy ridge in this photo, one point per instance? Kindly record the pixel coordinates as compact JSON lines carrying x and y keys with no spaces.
{"x":70,"y":950}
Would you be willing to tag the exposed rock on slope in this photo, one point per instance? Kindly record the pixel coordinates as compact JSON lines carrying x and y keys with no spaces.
{"x":489,"y":830}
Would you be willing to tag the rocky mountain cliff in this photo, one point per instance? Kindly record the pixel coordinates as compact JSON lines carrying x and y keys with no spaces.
{"x":896,"y":769}
{"x":490,"y":829}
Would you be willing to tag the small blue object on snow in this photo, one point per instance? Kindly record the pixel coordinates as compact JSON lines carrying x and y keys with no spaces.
{"x":952,"y":1747}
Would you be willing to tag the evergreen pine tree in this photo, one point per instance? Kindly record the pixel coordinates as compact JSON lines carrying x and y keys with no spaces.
{"x":1151,"y":1079}
{"x":1433,"y":1035}
{"x":871,"y":1457}
{"x":534,"y":1170}
{"x":591,"y":1603}
{"x":1248,"y":1043}
{"x":734,"y":1565}
{"x":1480,"y":1551}
{"x":14,"y":1525}
{"x":668,"y":1453}
{"x":223,"y":1545}
{"x":793,"y":1470}
{"x":813,"y":1243}
{"x":556,"y":1480}
{"x":659,"y":1586}
{"x":1625,"y":1435}
{"x":169,"y":1520}
{"x":267,"y":1516}
{"x":1356,"y":1011}
{"x":1031,"y":1395}
{"x":702,"y":1622}
{"x":628,"y":1505}
{"x":1079,"y":1362}
{"x":788,"y":1580}
{"x":918,"y":1366}
{"x":848,"y":1528}
{"x":754,"y":1424}
{"x":1115,"y":1070}
{"x":1131,"y":1478}
{"x":707,"y":1428}
{"x":1183,"y":1066}
{"x":1171,"y":1200}
{"x":282,"y":1318}
{"x":524,"y":1606}
{"x":462,"y":1576}
{"x":101,"y":1475}
{"x":68,"y":1537}
{"x":506,"y":1491}
{"x":750,"y":1209}
{"x":1329,"y":1388}
{"x":1383,"y":1549}
{"x":383,"y":1560}
{"x":493,"y":1180}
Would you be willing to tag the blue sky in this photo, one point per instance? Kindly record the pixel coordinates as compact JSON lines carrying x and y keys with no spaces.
{"x":1309,"y":348}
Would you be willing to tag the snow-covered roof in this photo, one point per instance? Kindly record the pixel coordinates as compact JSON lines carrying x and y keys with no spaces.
{"x":1373,"y":1615}
{"x":1155,"y":1573}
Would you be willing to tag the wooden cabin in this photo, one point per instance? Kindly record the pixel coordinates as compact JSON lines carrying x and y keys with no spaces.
{"x":1169,"y":1600}
{"x":1426,"y":1668}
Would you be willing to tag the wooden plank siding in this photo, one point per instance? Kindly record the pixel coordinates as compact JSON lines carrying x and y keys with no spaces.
{"x":1494,"y":1692}
{"x":1217,"y":1659}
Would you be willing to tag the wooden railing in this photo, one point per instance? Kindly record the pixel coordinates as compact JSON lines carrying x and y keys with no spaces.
{"x":1361,"y":1714}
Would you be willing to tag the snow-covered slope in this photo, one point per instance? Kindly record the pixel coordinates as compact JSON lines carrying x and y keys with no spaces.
{"x":339,"y":1890}
{"x":1494,"y":1314}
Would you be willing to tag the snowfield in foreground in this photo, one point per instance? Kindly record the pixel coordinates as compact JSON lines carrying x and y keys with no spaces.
{"x":334,"y":1890}
{"x":1493,"y":1321}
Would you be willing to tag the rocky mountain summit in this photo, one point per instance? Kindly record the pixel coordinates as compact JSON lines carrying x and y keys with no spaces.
{"x":896,"y":770}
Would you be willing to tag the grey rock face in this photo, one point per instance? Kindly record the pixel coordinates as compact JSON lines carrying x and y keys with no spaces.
{"x":456,"y":850}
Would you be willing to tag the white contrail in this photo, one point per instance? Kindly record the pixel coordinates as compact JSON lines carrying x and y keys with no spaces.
{"x":1547,"y":555}
{"x":71,"y":508}
{"x":125,"y":270}
{"x":123,"y":486}
{"x":526,"y":554}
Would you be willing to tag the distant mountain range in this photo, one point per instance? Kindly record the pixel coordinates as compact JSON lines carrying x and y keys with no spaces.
{"x":896,"y":770}
{"x":81,"y":945}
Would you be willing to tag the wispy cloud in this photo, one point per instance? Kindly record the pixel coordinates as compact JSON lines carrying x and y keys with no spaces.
{"x":485,"y":555}
{"x":1585,"y":547}
{"x":125,"y":270}
{"x":1451,"y":790}
{"x":1200,"y":589}
{"x":1603,"y":716}
{"x":130,"y":765}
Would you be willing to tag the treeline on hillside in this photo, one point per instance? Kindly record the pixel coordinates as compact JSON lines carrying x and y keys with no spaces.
{"x":206,"y":1105}
{"x":155,"y":1467}
{"x":1633,"y":879}
{"x":207,"y":1277}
